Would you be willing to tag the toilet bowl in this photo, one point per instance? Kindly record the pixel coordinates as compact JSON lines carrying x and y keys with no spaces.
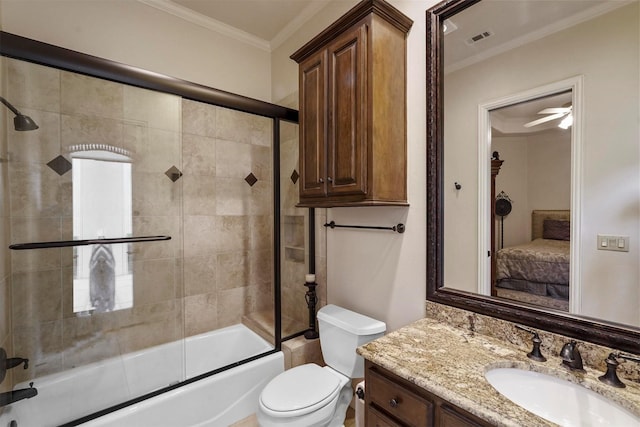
{"x":314,"y":396}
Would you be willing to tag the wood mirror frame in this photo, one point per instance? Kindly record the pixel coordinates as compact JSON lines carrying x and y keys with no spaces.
{"x":621,"y":337}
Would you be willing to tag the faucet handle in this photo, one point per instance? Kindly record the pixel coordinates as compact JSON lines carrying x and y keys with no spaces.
{"x":611,"y":376}
{"x":535,"y":353}
{"x":15,"y":361}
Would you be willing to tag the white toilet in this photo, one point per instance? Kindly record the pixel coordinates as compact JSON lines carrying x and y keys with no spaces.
{"x":314,"y":396}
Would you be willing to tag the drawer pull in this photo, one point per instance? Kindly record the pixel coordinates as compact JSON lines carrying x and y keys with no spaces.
{"x":394,"y":403}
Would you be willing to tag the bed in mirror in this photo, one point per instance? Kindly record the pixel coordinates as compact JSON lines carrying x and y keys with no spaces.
{"x":533,"y":164}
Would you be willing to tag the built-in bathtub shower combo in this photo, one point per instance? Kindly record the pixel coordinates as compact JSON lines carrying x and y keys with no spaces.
{"x":144,"y":220}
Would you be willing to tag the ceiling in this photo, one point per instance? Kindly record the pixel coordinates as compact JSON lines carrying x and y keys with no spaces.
{"x":509,"y":24}
{"x":263,"y":23}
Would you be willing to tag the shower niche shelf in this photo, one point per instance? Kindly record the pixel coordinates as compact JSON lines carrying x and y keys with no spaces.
{"x":68,"y":243}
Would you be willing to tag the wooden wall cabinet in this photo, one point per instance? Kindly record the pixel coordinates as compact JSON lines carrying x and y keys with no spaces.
{"x":394,"y":402}
{"x":352,"y":79}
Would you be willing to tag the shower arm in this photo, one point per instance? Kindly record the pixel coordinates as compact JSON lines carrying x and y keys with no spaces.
{"x":11,"y":107}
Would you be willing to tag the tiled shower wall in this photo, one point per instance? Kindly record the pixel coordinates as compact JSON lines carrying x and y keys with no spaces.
{"x":295,"y":226}
{"x":217,"y":265}
{"x":5,"y":265}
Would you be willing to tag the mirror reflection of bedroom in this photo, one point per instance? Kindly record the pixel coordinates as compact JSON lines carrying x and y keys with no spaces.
{"x":531,"y":193}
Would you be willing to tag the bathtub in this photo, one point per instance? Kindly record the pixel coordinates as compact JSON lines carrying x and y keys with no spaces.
{"x":217,"y":400}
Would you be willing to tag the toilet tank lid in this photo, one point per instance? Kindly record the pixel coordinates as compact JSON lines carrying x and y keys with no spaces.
{"x":350,"y":321}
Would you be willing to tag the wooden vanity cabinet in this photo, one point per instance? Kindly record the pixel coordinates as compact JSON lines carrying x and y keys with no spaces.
{"x":392,"y":401}
{"x":352,"y":89}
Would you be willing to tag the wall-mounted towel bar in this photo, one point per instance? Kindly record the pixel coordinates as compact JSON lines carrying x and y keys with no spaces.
{"x":398,"y":228}
{"x":67,"y":243}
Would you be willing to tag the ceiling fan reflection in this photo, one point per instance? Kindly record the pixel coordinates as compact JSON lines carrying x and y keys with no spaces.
{"x":563,"y":113}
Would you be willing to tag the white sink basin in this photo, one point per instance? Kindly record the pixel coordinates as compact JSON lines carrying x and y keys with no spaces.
{"x":558,"y":400}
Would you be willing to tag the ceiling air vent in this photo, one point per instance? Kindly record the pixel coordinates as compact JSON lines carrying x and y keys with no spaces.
{"x":478,"y":37}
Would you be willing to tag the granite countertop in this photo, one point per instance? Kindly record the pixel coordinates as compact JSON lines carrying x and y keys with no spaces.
{"x":451,"y":363}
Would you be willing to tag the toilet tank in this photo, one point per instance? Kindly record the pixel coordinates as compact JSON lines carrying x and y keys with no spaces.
{"x":341,"y":332}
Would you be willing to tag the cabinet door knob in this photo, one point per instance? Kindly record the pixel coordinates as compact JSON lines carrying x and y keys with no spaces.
{"x":321,"y":180}
{"x":394,"y":403}
{"x":330,"y":179}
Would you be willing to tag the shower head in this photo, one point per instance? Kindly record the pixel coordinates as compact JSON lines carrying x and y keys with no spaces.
{"x":20,"y":121}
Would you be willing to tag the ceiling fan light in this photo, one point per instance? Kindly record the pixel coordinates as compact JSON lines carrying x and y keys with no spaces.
{"x":566,"y":122}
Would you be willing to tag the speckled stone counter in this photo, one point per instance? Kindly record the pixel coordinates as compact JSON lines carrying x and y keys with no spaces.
{"x":450,"y":362}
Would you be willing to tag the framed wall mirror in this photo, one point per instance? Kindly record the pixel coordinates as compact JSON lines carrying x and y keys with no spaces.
{"x":532,"y":149}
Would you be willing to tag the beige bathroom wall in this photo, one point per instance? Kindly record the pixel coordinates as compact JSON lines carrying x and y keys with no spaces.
{"x":136,"y":34}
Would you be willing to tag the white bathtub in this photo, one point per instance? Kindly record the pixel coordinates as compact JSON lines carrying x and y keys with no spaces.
{"x":218,"y":400}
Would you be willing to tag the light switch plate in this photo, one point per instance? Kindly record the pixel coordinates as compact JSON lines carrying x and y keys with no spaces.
{"x":607,"y":242}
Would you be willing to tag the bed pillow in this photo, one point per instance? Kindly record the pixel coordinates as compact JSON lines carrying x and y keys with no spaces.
{"x":556,"y":229}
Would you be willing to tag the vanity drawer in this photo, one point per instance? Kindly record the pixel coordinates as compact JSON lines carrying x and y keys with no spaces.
{"x":376,"y":418}
{"x":397,"y":401}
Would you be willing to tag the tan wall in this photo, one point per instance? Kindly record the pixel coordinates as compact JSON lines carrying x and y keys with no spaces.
{"x":134,"y":33}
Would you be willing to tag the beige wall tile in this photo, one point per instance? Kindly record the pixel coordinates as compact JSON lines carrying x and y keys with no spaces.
{"x":34,"y":191}
{"x":155,"y":109}
{"x":84,"y":342}
{"x":85,"y":95}
{"x":5,"y":309}
{"x":260,"y":267}
{"x":36,"y":297}
{"x":198,"y":118}
{"x":200,"y":235}
{"x":233,"y":159}
{"x":157,"y":226}
{"x":232,"y":270}
{"x":261,"y":232}
{"x":41,"y":343}
{"x":232,"y":196}
{"x":243,"y":127}
{"x":154,"y":194}
{"x":157,"y":150}
{"x":153,"y":281}
{"x":232,"y":305}
{"x":33,"y":86}
{"x":200,"y":274}
{"x":262,"y":163}
{"x":82,"y":129}
{"x":232,"y":233}
{"x":199,"y":155}
{"x":201,"y":313}
{"x":199,"y":194}
{"x":29,"y":229}
{"x":261,"y":202}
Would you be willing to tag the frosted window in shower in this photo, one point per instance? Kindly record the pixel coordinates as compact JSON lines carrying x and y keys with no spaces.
{"x":102,"y":208}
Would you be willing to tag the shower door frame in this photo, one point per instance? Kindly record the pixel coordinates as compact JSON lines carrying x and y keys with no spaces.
{"x":29,"y":50}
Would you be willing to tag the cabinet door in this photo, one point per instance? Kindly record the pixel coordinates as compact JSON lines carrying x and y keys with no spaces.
{"x":346,"y":139}
{"x":312,"y":125}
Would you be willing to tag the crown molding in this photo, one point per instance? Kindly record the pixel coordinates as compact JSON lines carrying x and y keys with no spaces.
{"x":208,"y":23}
{"x":297,"y":23}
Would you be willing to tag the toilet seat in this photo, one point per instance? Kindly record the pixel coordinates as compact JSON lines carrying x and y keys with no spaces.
{"x":299,"y":391}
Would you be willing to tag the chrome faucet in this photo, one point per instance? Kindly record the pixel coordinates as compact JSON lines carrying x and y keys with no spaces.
{"x":571,"y":357}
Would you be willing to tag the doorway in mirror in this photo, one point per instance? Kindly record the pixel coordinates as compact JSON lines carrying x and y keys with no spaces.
{"x":530,"y":255}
